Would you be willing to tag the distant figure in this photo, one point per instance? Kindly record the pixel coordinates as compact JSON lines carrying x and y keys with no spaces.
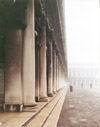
{"x":71,"y":88}
{"x":82,"y":85}
{"x":91,"y":85}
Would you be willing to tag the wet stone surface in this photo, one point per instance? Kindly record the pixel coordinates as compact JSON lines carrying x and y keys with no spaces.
{"x":81,"y":108}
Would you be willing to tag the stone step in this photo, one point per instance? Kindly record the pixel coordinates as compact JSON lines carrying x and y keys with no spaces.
{"x":40,"y":119}
{"x":53,"y":119}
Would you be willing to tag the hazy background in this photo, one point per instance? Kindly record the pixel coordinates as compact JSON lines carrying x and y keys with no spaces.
{"x":82,"y":25}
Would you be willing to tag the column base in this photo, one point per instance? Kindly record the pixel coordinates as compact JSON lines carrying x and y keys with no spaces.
{"x":50,"y":95}
{"x":37,"y":99}
{"x":13,"y":107}
{"x":30,"y":107}
{"x":54,"y":92}
{"x":30,"y":104}
{"x":43,"y":99}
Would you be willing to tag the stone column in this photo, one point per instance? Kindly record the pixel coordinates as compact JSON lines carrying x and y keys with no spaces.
{"x":50,"y":71}
{"x":29,"y":58}
{"x":54,"y":87}
{"x":56,"y":73}
{"x":2,"y":42}
{"x":13,"y":53}
{"x":43,"y":67}
{"x":59,"y":74}
{"x":37,"y":72}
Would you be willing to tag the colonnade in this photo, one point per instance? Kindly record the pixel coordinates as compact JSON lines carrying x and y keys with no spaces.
{"x":33,"y":67}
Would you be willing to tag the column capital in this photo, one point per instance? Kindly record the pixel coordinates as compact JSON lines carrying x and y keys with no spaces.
{"x":49,"y":35}
{"x":37,"y":45}
{"x":42,"y":21}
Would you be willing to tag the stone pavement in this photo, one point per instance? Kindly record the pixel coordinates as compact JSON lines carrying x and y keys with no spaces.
{"x":81,"y":108}
{"x":47,"y":117}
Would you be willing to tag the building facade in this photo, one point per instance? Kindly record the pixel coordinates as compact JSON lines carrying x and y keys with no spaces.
{"x":84,"y":77}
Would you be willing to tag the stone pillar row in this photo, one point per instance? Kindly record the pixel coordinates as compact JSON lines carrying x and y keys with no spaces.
{"x":23,"y":79}
{"x":20,"y":64}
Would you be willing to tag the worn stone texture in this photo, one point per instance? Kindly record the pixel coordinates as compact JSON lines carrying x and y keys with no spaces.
{"x":13,"y":85}
{"x":29,"y":57}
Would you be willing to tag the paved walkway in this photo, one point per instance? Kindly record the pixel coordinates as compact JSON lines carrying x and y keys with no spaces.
{"x":39,"y":117}
{"x":81,"y":108}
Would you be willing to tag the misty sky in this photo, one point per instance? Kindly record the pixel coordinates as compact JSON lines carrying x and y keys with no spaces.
{"x":82,"y":24}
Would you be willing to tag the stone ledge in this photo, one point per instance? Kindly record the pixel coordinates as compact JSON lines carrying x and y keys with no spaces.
{"x":38,"y":119}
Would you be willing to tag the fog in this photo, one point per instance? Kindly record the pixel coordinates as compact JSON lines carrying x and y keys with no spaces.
{"x":82,"y":32}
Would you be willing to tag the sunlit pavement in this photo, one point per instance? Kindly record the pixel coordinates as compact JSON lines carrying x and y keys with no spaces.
{"x":81,"y":108}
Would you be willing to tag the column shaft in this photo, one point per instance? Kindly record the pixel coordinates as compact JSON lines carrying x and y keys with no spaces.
{"x":54,"y":87}
{"x":60,"y":75}
{"x":29,"y":58}
{"x":13,"y":84}
{"x":57,"y":72}
{"x":37,"y":74}
{"x":50,"y":71}
{"x":43,"y":67}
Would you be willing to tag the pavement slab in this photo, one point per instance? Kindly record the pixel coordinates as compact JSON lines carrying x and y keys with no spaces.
{"x":54,"y":116}
{"x":81,"y":108}
{"x":42,"y":117}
